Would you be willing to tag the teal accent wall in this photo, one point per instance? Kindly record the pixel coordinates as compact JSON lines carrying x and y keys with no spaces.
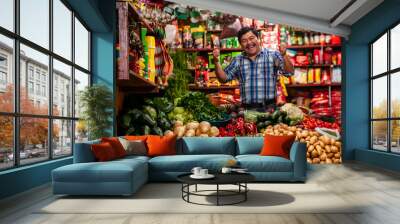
{"x":99,"y":16}
{"x":356,"y":85}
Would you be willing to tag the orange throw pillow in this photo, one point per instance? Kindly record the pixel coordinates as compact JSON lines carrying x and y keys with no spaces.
{"x":103,"y":152}
{"x":116,"y":145}
{"x":161,"y":145}
{"x":136,"y":137}
{"x":277,"y":145}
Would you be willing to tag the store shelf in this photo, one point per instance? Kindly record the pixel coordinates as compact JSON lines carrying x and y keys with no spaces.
{"x":140,"y":18}
{"x":313,"y":46}
{"x":313,"y":85}
{"x":209,"y":49}
{"x":316,"y":66}
{"x":137,"y":83}
{"x":210,"y":88}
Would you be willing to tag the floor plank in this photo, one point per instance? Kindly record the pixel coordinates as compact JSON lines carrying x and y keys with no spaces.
{"x":377,"y":191}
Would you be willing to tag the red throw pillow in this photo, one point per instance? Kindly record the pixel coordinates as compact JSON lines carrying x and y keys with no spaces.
{"x":103,"y":152}
{"x":277,"y":145}
{"x":161,"y":145}
{"x":116,"y":145}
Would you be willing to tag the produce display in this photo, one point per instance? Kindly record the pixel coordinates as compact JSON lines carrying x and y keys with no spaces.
{"x":313,"y":114}
{"x":320,"y":148}
{"x":238,"y":127}
{"x":199,"y":105}
{"x":151,"y":118}
{"x":193,"y":129}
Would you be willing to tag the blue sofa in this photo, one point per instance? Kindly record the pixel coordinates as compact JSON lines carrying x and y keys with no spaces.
{"x":125,"y":176}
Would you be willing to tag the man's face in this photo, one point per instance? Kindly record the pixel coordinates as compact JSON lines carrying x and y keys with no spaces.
{"x":250,"y":43}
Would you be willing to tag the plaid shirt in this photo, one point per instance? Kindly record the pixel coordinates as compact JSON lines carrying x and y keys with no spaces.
{"x":257,"y":78}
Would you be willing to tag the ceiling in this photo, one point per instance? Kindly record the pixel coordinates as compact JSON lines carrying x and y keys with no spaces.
{"x":329,"y":16}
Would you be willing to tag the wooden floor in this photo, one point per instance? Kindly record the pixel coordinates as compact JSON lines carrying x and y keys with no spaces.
{"x":377,"y":188}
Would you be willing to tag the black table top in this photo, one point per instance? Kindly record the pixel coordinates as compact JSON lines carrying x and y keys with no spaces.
{"x":220,"y":178}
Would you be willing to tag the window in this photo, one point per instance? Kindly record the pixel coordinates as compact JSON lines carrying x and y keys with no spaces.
{"x":81,"y":45}
{"x":30,"y":87}
{"x":30,"y":72}
{"x":47,"y":74}
{"x":385,"y":96}
{"x":7,"y":14}
{"x":6,"y":73}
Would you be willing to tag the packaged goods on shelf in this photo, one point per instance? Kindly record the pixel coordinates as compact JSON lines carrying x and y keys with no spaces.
{"x":336,"y":75}
{"x":300,"y":76}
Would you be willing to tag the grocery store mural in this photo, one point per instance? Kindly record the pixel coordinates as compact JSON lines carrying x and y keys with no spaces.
{"x":170,"y":78}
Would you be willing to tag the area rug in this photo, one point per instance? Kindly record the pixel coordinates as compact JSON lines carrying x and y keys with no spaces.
{"x":166,"y":198}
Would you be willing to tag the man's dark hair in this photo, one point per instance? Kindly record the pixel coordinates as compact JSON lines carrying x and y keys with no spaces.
{"x":245,"y":30}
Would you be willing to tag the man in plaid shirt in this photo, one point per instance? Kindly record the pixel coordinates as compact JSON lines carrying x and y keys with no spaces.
{"x":256,"y":68}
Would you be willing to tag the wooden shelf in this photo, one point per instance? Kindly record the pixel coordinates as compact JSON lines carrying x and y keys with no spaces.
{"x":208,"y":49}
{"x":210,"y":88}
{"x":313,"y":85}
{"x":313,"y":46}
{"x":139,"y":18}
{"x":137,"y":83}
{"x":316,"y":66}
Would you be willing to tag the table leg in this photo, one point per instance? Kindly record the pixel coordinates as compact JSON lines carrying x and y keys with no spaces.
{"x":196,"y":188}
{"x":245,"y":193}
{"x":217,"y":194}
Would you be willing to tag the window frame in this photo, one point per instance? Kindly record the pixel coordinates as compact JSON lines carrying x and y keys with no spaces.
{"x":16,"y":114}
{"x":388,"y":74}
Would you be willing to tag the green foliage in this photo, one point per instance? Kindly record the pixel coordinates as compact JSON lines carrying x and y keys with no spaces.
{"x":200,"y":106}
{"x":178,"y":83}
{"x":96,"y":103}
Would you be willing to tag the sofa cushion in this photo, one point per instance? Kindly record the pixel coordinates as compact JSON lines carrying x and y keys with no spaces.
{"x":112,"y":171}
{"x":103,"y":152}
{"x":83,"y":152}
{"x":257,"y":163}
{"x":249,"y":145}
{"x":185,"y":163}
{"x":134,"y":147}
{"x":116,"y":144}
{"x":277,"y":145}
{"x":212,"y":145}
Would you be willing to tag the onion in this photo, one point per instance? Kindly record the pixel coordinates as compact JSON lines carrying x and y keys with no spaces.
{"x":179,"y":131}
{"x":190,"y":133}
{"x":204,"y":127}
{"x":192,"y":125}
{"x":214,"y":131}
{"x":178,"y":123}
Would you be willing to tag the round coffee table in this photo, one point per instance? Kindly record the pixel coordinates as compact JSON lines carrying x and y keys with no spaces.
{"x":238,"y":179}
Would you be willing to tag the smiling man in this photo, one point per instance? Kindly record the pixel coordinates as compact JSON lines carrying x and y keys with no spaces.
{"x":256,"y":68}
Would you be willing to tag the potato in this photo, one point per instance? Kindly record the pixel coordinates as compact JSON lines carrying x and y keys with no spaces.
{"x":322,"y":162}
{"x":334,"y":149}
{"x":192,"y":125}
{"x":337,"y":155}
{"x":310,"y":148}
{"x":314,"y":153}
{"x":319,"y":149}
{"x":332,"y":141}
{"x":203,"y":135}
{"x":316,"y":160}
{"x":309,"y":160}
{"x":322,"y":144}
{"x":336,"y":161}
{"x":329,"y":155}
{"x":322,"y":157}
{"x":179,"y":131}
{"x":198,"y":132}
{"x":178,"y":123}
{"x":214,"y":131}
{"x":329,"y":161}
{"x":337,"y":144}
{"x":190,"y":133}
{"x":328,"y":148}
{"x":302,"y":140}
